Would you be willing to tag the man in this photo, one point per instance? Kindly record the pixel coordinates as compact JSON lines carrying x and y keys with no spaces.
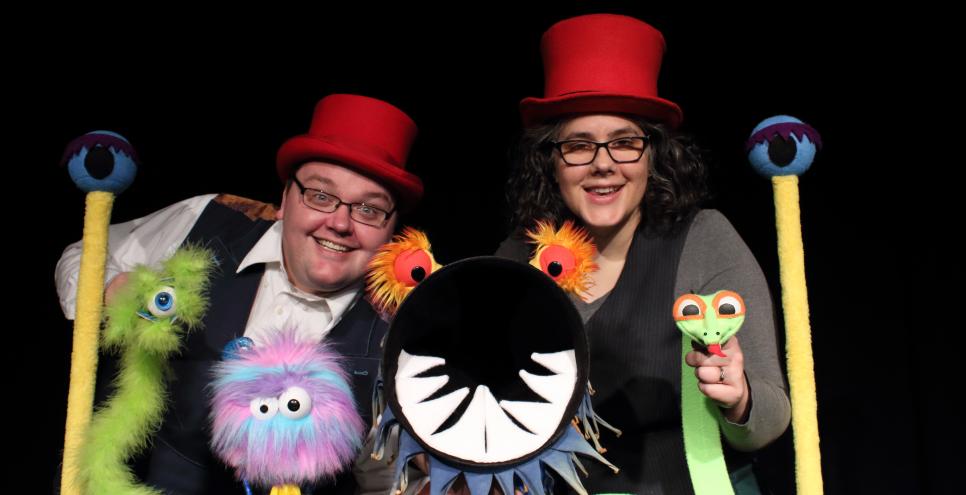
{"x":301,"y":266}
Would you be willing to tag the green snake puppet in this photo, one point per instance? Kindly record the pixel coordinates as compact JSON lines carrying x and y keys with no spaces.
{"x":708,"y":321}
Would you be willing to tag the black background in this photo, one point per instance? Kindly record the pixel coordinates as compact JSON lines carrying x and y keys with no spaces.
{"x":207,"y":99}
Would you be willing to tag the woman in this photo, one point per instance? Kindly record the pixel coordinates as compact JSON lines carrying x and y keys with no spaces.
{"x":600,"y":148}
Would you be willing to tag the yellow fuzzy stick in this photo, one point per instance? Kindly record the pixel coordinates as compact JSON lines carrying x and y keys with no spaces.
{"x":286,"y":490}
{"x":83,"y":360}
{"x":397,"y":267}
{"x":565,"y":254}
{"x":798,"y":335}
{"x":782,"y":148}
{"x":101,"y":163}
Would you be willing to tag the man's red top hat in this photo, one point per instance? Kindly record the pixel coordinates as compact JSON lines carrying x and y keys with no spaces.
{"x":361,"y":133}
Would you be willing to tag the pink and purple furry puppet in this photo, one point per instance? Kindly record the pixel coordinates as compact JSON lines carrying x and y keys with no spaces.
{"x":283,"y":413}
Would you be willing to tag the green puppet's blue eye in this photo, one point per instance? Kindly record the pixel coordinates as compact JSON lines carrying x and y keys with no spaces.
{"x":162,"y":303}
{"x":101,"y":161}
{"x":782,"y":145}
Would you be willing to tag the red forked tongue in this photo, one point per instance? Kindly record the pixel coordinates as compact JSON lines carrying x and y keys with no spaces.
{"x":716,"y":350}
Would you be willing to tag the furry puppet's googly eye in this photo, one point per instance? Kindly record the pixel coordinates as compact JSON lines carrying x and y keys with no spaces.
{"x":412,"y":266}
{"x":557,"y":261}
{"x":264,"y":408}
{"x":162,"y":302}
{"x":295,"y":403}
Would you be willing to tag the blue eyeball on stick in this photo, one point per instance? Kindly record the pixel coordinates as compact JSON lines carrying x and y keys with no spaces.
{"x":782,"y":148}
{"x":782,"y":145}
{"x":101,"y":161}
{"x":102,"y":164}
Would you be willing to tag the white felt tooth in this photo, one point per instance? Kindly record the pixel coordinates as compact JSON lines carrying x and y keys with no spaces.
{"x":539,"y":417}
{"x":504,"y":439}
{"x":465,"y":439}
{"x":410,"y":365}
{"x":426,"y":417}
{"x":561,"y":363}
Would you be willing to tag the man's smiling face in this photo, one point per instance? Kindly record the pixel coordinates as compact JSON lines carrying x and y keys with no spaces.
{"x":327,"y":252}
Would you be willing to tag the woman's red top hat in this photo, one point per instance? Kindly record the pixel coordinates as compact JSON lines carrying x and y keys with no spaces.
{"x":601,"y":63}
{"x":361,"y":133}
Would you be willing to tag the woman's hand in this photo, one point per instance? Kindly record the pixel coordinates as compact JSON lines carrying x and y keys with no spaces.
{"x":722,"y":379}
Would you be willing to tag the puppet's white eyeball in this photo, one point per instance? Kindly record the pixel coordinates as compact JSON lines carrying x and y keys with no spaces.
{"x":162,"y":303}
{"x":295,"y":403}
{"x":688,"y":307}
{"x":729,"y":304}
{"x":264,"y":408}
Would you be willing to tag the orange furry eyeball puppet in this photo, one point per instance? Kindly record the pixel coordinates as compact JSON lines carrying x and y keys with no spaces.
{"x":397,"y":268}
{"x":566,"y":255}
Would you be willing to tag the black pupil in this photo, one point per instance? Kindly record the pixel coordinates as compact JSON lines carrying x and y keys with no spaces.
{"x":418,"y":273}
{"x":554,"y":268}
{"x":263,"y":408}
{"x":99,"y":162}
{"x":727,"y":309}
{"x":162,"y":299}
{"x":293,"y":405}
{"x":691,"y":310}
{"x":782,"y":151}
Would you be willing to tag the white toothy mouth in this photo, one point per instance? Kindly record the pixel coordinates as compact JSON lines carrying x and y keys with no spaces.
{"x":489,"y":429}
{"x":603,"y":191}
{"x":331,"y":246}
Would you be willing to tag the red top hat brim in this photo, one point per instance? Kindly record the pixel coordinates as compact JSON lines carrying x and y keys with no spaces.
{"x":535,"y":111}
{"x":407,"y":188}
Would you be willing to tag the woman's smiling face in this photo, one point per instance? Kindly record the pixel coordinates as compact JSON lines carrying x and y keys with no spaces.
{"x":604,"y":194}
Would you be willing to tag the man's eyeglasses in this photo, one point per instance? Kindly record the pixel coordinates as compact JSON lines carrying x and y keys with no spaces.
{"x":363,"y":213}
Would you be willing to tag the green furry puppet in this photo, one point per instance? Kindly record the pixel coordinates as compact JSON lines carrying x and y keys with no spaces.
{"x":146,"y":323}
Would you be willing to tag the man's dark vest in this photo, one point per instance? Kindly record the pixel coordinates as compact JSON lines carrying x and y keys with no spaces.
{"x":180,"y":461}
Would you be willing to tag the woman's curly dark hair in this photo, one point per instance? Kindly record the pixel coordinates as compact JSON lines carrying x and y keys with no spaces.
{"x":675,"y":183}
